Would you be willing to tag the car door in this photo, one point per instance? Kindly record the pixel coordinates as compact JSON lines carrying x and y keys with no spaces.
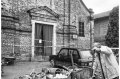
{"x":61,"y":58}
{"x":75,"y":55}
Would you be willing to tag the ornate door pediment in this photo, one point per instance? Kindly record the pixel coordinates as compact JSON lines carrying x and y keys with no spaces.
{"x":42,"y":11}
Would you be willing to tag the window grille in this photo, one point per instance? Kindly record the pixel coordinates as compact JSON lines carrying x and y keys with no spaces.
{"x":81,"y":29}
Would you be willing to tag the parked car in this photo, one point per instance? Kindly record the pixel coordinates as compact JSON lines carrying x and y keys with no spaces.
{"x":63,"y":58}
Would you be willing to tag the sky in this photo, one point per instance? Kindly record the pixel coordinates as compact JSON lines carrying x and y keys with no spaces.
{"x":99,"y":6}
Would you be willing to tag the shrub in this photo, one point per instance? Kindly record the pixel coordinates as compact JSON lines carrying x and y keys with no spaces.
{"x":112,"y":37}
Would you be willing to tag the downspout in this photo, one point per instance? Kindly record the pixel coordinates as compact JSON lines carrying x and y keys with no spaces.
{"x":91,"y":27}
{"x":69,"y":7}
{"x":63,"y":23}
{"x":91,"y":32}
{"x":14,"y":31}
{"x":30,"y":54}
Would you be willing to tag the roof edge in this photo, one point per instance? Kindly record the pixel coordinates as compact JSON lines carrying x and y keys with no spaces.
{"x":102,"y":14}
{"x":102,"y":17}
{"x":85,"y":6}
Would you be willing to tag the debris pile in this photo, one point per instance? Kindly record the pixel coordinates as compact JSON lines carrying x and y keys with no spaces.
{"x":48,"y":73}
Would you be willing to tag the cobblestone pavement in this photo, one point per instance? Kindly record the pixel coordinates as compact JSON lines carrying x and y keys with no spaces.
{"x":22,"y":68}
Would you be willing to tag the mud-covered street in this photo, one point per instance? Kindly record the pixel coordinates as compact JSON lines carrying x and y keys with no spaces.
{"x":22,"y":68}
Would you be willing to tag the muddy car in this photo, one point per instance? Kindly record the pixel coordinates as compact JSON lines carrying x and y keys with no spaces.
{"x":63,"y":58}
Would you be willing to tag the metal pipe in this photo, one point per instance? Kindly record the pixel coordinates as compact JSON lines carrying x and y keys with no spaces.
{"x":91,"y":27}
{"x":69,"y":7}
{"x":63,"y":23}
{"x":90,"y":34}
{"x":72,"y":61}
{"x":15,"y":27}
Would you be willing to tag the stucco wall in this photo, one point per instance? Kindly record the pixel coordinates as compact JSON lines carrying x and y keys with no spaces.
{"x":101,"y":27}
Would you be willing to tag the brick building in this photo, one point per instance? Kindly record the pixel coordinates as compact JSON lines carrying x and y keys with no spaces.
{"x":101,"y":22}
{"x":41,"y":27}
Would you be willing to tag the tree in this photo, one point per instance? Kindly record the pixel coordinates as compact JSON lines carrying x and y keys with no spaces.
{"x":112,"y":37}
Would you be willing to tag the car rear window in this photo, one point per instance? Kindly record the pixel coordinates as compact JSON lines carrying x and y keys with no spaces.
{"x":85,"y":54}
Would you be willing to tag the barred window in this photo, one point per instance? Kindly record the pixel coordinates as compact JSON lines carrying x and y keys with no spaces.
{"x":81,"y":29}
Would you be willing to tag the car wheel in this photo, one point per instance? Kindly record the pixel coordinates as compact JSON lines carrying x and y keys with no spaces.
{"x":52,"y":62}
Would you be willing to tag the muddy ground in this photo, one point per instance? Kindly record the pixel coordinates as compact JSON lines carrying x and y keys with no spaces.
{"x":22,"y":68}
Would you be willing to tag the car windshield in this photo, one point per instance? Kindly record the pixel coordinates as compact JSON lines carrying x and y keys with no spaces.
{"x":85,"y":54}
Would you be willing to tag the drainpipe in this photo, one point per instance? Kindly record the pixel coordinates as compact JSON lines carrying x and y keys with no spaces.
{"x":31,"y":56}
{"x":69,"y":7}
{"x":64,"y":23}
{"x":91,"y":27}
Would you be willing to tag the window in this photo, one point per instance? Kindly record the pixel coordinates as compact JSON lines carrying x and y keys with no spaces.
{"x":86,"y":54}
{"x":81,"y":29}
{"x":64,"y":52}
{"x":74,"y":54}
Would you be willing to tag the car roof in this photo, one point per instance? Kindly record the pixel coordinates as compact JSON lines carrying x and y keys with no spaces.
{"x":69,"y":48}
{"x":76,"y":49}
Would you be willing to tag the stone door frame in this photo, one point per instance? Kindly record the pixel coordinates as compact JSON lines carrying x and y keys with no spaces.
{"x":33,"y":35}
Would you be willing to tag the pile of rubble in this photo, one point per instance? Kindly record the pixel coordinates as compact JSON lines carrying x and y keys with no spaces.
{"x":49,"y":73}
{"x":59,"y":73}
